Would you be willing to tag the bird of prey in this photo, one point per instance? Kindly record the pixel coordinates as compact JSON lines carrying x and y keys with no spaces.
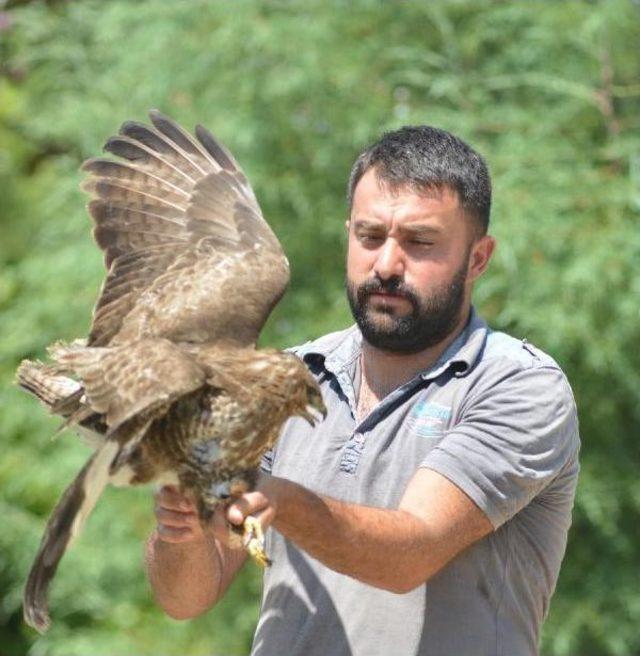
{"x":169,"y":383}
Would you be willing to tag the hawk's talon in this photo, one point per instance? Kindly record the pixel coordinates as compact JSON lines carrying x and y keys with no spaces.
{"x":253,"y":541}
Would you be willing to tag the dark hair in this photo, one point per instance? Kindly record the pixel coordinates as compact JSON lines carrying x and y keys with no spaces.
{"x":428,"y":158}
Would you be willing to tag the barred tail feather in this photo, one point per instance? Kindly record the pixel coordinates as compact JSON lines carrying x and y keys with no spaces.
{"x":46,"y":384}
{"x":63,"y":526}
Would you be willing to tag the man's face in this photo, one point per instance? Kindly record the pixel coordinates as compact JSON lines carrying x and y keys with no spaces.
{"x":409,"y":268}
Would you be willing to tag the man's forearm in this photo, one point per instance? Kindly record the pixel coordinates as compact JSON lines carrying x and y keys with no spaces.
{"x":385,"y":548}
{"x":185,"y":578}
{"x":392,"y":549}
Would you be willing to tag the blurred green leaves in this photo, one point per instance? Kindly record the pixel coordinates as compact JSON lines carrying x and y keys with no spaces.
{"x":549,"y":92}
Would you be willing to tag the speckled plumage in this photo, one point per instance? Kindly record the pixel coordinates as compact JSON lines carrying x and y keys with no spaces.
{"x":169,"y":386}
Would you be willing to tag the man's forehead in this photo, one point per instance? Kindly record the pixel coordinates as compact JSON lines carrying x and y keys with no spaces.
{"x":380,"y":206}
{"x":375,"y":193}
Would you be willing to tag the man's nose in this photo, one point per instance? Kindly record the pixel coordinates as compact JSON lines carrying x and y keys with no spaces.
{"x":390,"y":261}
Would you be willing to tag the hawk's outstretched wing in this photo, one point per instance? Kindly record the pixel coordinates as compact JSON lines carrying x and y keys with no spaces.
{"x":189,"y":255}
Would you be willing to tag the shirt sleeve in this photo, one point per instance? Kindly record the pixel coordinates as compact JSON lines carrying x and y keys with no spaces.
{"x":514,"y":437}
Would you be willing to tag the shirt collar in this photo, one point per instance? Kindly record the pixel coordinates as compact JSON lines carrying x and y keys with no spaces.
{"x":462,"y":354}
{"x":340,"y":350}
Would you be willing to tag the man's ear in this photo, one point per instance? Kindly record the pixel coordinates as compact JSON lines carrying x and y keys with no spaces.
{"x":481,"y":252}
{"x":347,"y":225}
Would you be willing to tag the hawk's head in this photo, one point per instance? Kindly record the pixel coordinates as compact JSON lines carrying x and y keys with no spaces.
{"x":314,"y":404}
{"x":301,"y":391}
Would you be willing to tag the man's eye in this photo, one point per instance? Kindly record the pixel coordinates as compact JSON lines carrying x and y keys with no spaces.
{"x":370,"y":239}
{"x":421,"y":242}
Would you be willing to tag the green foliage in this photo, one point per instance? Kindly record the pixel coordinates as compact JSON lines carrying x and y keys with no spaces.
{"x":547,"y":91}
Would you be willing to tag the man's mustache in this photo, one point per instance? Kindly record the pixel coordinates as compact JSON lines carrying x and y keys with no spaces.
{"x":394,"y":285}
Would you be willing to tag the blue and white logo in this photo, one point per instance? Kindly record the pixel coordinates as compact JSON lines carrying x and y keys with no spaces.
{"x":428,"y":419}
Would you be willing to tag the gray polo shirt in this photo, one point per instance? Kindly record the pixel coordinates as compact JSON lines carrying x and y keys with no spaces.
{"x":496,"y":416}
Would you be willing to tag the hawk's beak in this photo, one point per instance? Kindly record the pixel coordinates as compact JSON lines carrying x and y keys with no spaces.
{"x":313,"y":411}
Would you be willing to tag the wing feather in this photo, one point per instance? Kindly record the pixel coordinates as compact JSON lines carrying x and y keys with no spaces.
{"x":217,"y":150}
{"x":173,"y":210}
{"x":110,"y":169}
{"x":129,"y":275}
{"x":147,"y":159}
{"x":131,"y":195}
{"x":128,"y":381}
{"x":159,"y":143}
{"x":217,"y":156}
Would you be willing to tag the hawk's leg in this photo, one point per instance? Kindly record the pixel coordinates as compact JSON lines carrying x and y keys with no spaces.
{"x":253,"y":541}
{"x":249,"y":535}
{"x":213,"y":495}
{"x":205,"y":509}
{"x":206,"y":494}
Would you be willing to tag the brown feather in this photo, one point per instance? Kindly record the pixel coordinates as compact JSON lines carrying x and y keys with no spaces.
{"x":182,"y":139}
{"x":144,"y":180}
{"x":118,"y":383}
{"x":64,"y":524}
{"x":134,"y":213}
{"x":147,"y":159}
{"x":134,"y":195}
{"x":169,"y":149}
{"x":216,"y":149}
{"x":45,"y":383}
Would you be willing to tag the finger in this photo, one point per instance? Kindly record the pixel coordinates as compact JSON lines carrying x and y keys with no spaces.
{"x":175,"y":518}
{"x":265,"y":517}
{"x":171,"y":498}
{"x":174,"y":535}
{"x":248,"y":504}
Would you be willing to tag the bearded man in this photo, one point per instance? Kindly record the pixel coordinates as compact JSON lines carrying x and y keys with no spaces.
{"x":428,"y":514}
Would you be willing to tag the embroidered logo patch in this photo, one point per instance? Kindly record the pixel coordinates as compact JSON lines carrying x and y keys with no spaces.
{"x":428,"y":419}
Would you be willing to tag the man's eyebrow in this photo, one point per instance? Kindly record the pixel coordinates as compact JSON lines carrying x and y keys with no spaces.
{"x":370,"y":224}
{"x":419,"y":229}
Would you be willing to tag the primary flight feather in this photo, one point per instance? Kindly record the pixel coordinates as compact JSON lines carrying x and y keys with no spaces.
{"x":169,"y":386}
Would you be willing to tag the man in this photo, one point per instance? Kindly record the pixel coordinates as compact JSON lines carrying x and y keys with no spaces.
{"x":428,"y":514}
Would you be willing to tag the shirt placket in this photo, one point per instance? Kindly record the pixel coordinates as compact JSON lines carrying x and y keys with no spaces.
{"x":355,"y":443}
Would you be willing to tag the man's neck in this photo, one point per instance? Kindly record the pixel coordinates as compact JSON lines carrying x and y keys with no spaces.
{"x":383,"y":371}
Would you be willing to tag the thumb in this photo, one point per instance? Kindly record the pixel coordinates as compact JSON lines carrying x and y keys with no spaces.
{"x":250,"y":503}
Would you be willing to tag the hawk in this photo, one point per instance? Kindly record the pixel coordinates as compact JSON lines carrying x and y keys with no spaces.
{"x":169,"y":384}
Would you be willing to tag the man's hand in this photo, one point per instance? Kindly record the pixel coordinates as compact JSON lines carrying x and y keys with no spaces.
{"x":177,"y":518}
{"x":261,"y":503}
{"x":178,"y":521}
{"x":189,"y":565}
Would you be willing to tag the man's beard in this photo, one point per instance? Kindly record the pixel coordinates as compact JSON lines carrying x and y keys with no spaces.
{"x":431,"y":320}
